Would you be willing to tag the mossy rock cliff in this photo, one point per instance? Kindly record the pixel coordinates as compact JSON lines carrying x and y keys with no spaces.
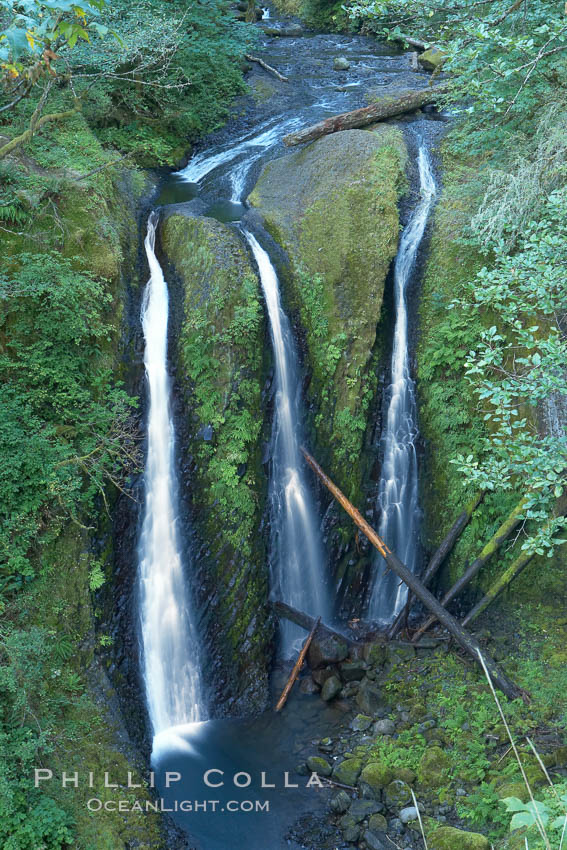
{"x":220,"y":357}
{"x":333,"y":207}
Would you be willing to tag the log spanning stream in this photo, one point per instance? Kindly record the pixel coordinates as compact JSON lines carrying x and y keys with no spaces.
{"x":186,"y":740}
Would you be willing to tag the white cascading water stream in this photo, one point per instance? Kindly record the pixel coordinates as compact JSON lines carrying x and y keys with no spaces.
{"x":170,"y":666}
{"x":298,"y":568}
{"x":398,"y":488}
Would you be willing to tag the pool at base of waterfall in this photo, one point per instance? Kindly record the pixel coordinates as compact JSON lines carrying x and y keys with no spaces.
{"x":215,"y":778}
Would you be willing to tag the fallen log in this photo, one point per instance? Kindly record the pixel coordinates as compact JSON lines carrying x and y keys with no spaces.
{"x":493,"y":545}
{"x":413,"y":42}
{"x":437,"y":559}
{"x":387,"y":107}
{"x":266,"y":67}
{"x":297,"y":667}
{"x":306,"y":621}
{"x":514,"y":570}
{"x":463,"y":638}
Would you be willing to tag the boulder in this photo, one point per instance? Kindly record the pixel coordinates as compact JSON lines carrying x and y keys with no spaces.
{"x":373,"y":779}
{"x":378,"y":823}
{"x":333,"y":206}
{"x":319,"y":765}
{"x":434,"y":767}
{"x":331,"y":688}
{"x":326,"y":649}
{"x":397,"y":795}
{"x":341,"y":63}
{"x":408,"y":814}
{"x":368,"y":697}
{"x":348,"y":771}
{"x":308,"y":686}
{"x":352,"y":671}
{"x":384,"y":727}
{"x":450,"y":838}
{"x":432,"y":59}
{"x":377,"y":840}
{"x":361,"y":723}
{"x":361,"y":809}
{"x":340,"y":802}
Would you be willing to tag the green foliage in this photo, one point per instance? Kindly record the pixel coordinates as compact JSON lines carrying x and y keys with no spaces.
{"x":229,"y":410}
{"x":517,"y":364}
{"x":62,"y":432}
{"x":551,"y":813}
{"x":28,"y":818}
{"x":506,"y":58}
{"x":171,"y":78}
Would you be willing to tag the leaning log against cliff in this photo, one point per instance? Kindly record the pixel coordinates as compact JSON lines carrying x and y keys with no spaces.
{"x":493,"y":545}
{"x":437,"y":559}
{"x":297,"y":667}
{"x":463,"y":638}
{"x":386,"y":107}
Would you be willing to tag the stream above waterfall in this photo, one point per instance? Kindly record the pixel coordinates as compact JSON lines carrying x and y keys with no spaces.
{"x":215,"y":182}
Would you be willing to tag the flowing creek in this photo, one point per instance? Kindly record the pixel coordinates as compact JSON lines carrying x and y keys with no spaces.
{"x":186,"y":741}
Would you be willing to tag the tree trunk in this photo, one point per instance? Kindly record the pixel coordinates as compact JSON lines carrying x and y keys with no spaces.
{"x":466,"y":641}
{"x":489,"y":550}
{"x":437,"y":559}
{"x":306,"y":621}
{"x":28,"y":134}
{"x":499,"y":585}
{"x":297,"y":667}
{"x":387,"y":107}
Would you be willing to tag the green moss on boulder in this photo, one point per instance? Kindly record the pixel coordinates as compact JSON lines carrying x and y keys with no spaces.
{"x":220,"y":353}
{"x":333,"y":206}
{"x":374,"y":778}
{"x":434,"y":767}
{"x":348,"y":771}
{"x":450,"y":838}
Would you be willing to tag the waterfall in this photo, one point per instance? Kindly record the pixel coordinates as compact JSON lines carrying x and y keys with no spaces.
{"x":398,"y":488}
{"x":297,"y":564}
{"x":169,"y":645}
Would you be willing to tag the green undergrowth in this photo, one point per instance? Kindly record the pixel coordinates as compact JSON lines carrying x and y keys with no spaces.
{"x":450,"y":418}
{"x":454,"y":748}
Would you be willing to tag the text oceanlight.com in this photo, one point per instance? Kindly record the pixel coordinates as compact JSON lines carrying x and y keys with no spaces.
{"x":97,"y":805}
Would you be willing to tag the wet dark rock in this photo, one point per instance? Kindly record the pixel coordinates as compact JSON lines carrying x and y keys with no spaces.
{"x":352,"y":670}
{"x":327,"y":649}
{"x":319,"y":765}
{"x":321,"y":675}
{"x":362,"y":809}
{"x":308,"y":686}
{"x":368,"y":697}
{"x":376,"y":840}
{"x":331,"y":688}
{"x":361,"y":723}
{"x":340,"y":802}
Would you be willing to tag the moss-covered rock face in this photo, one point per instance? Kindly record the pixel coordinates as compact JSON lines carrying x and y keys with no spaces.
{"x":450,"y":838}
{"x":219,"y":356}
{"x":434,"y":767}
{"x":333,"y":207}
